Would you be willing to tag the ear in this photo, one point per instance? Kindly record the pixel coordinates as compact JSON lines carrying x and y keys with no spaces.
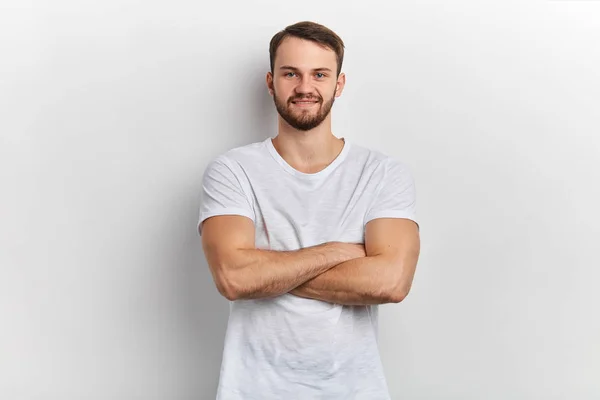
{"x":269,"y":80}
{"x":339,"y":86}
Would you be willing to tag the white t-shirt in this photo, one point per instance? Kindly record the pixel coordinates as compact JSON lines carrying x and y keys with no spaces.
{"x":288,"y":347}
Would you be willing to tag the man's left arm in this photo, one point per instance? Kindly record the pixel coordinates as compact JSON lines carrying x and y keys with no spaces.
{"x":384,"y":275}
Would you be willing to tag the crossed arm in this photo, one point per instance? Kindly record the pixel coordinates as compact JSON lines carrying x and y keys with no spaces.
{"x":379,"y":272}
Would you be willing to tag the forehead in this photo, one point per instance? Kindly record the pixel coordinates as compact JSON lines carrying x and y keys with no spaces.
{"x":304,"y":54}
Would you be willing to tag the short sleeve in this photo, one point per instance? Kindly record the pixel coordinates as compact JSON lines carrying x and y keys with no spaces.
{"x":395,"y":196}
{"x":222,"y":193}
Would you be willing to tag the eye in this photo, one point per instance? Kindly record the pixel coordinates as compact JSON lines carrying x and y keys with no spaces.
{"x":320,"y":75}
{"x":290,"y":74}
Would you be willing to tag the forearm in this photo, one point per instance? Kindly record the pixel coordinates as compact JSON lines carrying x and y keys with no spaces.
{"x":360,"y":281}
{"x":256,"y":273}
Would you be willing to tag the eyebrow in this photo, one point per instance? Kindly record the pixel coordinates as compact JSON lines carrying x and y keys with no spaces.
{"x":296,"y":69}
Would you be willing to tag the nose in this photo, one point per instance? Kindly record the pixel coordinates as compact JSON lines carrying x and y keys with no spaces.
{"x":305,"y":85}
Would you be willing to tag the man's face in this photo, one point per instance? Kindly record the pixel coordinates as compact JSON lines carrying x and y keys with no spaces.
{"x":304,"y":82}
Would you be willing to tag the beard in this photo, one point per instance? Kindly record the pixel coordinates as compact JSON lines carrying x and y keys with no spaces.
{"x":303,"y":120}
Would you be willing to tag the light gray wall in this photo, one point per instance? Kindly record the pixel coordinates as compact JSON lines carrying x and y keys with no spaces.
{"x":110,"y":110}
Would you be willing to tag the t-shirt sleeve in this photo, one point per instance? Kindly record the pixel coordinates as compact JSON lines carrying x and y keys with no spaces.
{"x":222,"y":193}
{"x":395,"y":196}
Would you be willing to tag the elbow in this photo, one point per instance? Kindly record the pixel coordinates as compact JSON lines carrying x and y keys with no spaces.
{"x":397,"y":297}
{"x":228,"y":293}
{"x":398,"y":293}
{"x":227,"y":287}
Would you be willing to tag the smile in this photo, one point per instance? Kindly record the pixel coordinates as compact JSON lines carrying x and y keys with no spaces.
{"x":304,"y":103}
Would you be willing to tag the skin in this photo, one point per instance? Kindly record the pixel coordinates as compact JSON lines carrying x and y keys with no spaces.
{"x":379,"y":271}
{"x":305,"y":70}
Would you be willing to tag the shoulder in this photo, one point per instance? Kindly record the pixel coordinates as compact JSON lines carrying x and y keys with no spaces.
{"x":237,"y":158}
{"x":379,"y":163}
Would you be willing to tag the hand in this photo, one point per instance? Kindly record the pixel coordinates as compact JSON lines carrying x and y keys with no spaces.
{"x":351,"y":251}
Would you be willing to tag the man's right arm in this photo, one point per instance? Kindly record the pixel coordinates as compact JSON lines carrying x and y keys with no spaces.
{"x":241,"y":271}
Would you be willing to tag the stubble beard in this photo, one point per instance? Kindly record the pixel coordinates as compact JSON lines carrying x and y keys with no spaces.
{"x":303,"y":120}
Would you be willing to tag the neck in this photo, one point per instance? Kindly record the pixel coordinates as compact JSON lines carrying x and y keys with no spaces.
{"x":308,"y":151}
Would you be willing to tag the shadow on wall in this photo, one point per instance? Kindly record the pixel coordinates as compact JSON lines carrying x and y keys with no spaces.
{"x":202,"y":310}
{"x":262,"y":117}
{"x":250,"y":116}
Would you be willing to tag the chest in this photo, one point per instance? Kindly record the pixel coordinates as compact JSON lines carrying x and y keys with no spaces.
{"x":290,"y":216}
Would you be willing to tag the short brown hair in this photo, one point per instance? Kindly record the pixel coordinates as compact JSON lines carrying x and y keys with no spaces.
{"x":308,"y":30}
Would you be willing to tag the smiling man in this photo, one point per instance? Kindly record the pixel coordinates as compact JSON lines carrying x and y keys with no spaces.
{"x":306,"y":234}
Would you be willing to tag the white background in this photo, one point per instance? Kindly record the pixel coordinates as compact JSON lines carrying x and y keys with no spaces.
{"x":110,"y":110}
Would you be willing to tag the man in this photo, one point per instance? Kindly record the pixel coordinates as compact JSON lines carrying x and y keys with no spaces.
{"x":306,"y":234}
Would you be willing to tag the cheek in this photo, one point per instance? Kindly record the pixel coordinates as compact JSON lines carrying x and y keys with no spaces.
{"x":284,"y":85}
{"x":283,"y":91}
{"x":326,"y":90}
